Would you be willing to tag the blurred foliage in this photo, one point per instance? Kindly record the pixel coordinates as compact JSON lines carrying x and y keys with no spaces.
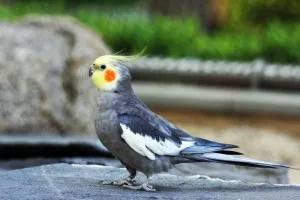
{"x":264,"y":11}
{"x":133,"y":29}
{"x":160,"y":35}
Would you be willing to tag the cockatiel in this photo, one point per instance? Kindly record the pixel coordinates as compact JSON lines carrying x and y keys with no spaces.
{"x":142,"y":140}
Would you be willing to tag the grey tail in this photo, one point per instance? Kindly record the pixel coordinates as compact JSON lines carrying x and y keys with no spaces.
{"x":227,"y":158}
{"x":206,"y":146}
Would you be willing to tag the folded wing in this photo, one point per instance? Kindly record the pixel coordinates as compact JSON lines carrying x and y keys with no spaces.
{"x":162,"y":138}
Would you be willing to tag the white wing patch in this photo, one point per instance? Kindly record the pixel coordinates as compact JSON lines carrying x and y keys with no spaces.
{"x":147,"y":146}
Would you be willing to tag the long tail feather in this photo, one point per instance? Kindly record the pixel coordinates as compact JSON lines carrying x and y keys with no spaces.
{"x":233,"y":160}
{"x":229,"y":152}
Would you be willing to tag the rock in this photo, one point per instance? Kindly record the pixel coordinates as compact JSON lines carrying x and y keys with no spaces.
{"x":231,"y":172}
{"x":63,"y":181}
{"x":44,"y":84}
{"x":41,"y":150}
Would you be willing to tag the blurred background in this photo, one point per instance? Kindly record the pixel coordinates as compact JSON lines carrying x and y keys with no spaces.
{"x":227,"y":70}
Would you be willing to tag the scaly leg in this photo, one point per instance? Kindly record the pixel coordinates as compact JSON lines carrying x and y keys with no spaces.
{"x":144,"y":186}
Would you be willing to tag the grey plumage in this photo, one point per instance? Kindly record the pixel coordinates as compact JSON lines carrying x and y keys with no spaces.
{"x":108,"y":129}
{"x":146,"y":142}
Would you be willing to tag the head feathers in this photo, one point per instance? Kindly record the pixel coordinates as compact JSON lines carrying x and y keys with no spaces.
{"x":117,"y":58}
{"x":109,"y":73}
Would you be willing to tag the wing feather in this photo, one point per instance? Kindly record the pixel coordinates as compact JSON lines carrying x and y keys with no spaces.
{"x":149,"y":134}
{"x":148,"y":140}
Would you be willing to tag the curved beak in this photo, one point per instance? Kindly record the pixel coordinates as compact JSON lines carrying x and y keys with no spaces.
{"x":91,"y":71}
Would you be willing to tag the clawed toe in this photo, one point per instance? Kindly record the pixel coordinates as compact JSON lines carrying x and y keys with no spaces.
{"x":129,"y":182}
{"x":149,"y":188}
{"x":144,"y":187}
{"x":118,"y":183}
{"x":137,"y":187}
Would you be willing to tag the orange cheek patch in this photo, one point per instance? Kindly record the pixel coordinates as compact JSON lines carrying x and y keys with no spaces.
{"x":109,"y":75}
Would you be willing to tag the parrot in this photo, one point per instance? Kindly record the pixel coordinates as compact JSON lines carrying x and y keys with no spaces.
{"x":142,"y":140}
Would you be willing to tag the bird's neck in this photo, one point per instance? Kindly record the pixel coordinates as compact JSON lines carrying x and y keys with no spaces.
{"x":112,"y":100}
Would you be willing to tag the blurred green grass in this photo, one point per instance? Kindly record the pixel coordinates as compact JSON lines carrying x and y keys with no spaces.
{"x":132,"y":30}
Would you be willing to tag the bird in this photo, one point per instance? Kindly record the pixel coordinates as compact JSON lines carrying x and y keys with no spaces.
{"x":141,"y":139}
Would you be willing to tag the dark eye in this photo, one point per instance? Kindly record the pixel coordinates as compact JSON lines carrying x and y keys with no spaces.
{"x":103,"y":67}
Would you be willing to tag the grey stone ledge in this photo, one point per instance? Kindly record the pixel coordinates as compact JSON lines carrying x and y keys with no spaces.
{"x":181,"y":96}
{"x":219,"y":69}
{"x":63,"y":181}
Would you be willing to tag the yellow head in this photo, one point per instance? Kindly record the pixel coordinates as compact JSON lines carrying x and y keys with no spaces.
{"x":109,"y":72}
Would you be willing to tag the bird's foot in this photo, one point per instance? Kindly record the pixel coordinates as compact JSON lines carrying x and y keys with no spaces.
{"x":127,"y":181}
{"x":144,"y":186}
